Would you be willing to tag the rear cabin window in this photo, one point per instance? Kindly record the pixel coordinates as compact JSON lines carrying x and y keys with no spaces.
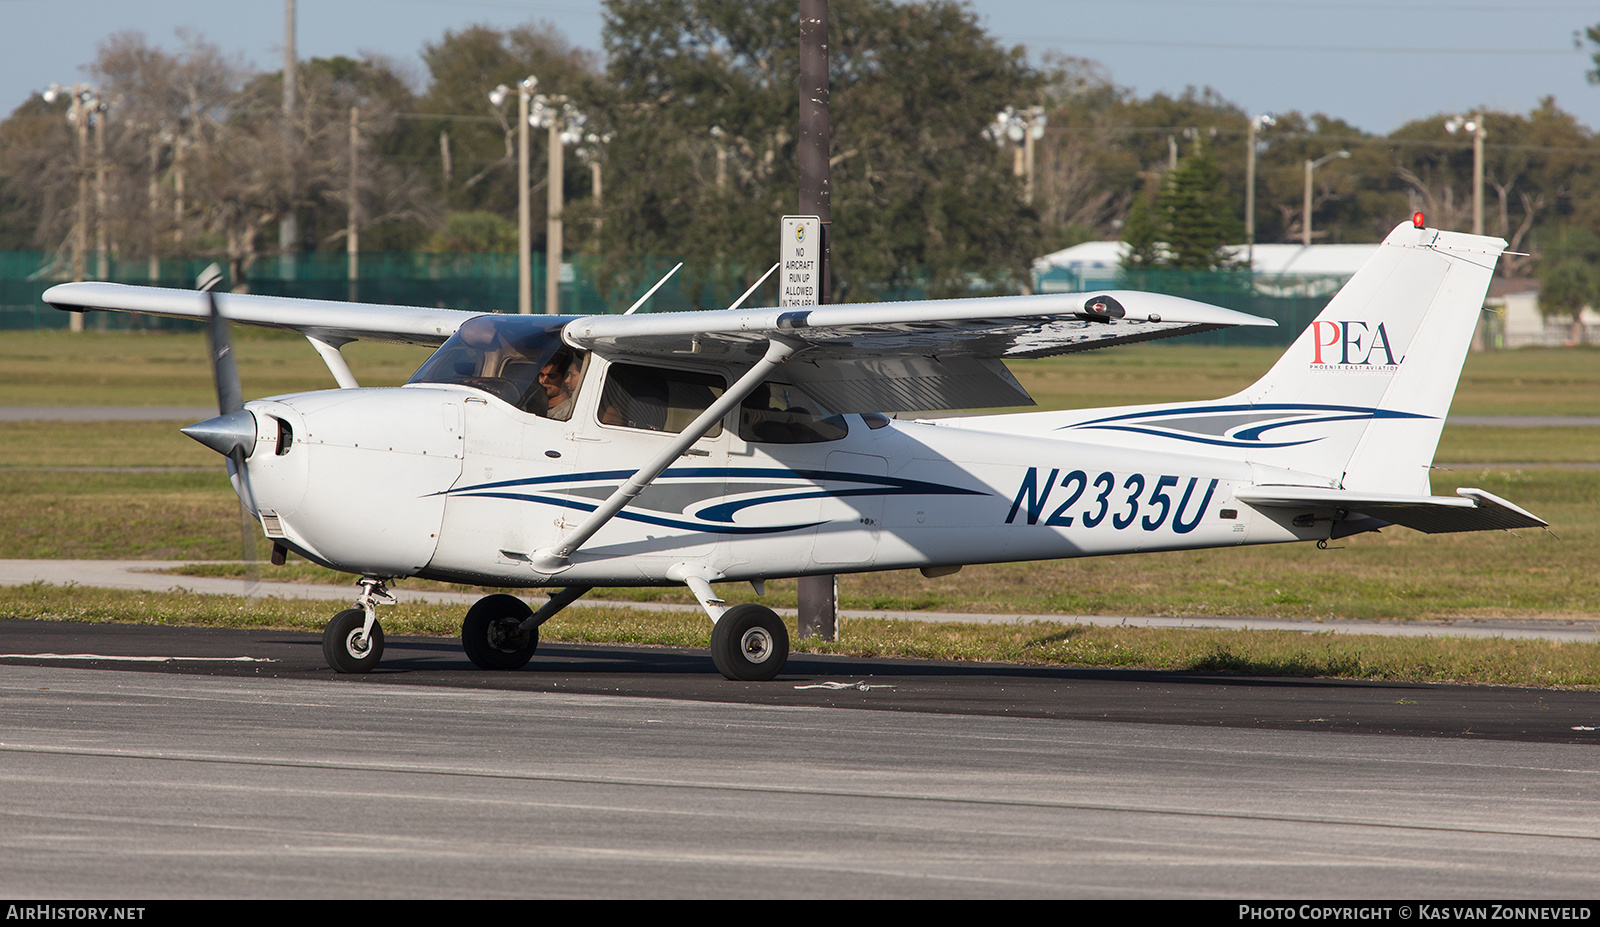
{"x":657,"y":399}
{"x":778,"y":413}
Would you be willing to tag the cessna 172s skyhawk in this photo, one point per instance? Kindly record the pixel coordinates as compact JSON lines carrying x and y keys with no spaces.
{"x":748,"y":444}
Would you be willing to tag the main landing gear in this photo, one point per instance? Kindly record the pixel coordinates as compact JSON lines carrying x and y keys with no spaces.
{"x":749,"y":643}
{"x":501,"y":632}
{"x":493,"y":634}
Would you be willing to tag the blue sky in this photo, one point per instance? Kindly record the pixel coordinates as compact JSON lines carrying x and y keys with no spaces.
{"x":1376,"y":64}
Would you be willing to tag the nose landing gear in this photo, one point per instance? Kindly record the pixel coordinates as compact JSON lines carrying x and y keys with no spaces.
{"x":353,"y":640}
{"x":348,"y":646}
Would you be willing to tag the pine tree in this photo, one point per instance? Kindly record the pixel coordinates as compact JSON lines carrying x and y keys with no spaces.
{"x":1197,"y":216}
{"x":1142,"y":234}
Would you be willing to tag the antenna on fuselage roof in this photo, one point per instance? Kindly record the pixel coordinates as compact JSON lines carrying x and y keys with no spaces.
{"x":652,"y":291}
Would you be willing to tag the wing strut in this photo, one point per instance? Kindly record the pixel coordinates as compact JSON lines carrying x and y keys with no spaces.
{"x":551,"y":560}
{"x":328,"y":348}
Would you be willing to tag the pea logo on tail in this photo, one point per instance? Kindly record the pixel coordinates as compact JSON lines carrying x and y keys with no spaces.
{"x":1351,"y":344}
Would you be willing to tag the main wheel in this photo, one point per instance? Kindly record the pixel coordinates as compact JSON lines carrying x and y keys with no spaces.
{"x":749,"y":643}
{"x":344,"y":647}
{"x":490,"y":636}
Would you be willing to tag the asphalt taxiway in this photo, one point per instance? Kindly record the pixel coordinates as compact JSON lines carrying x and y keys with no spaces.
{"x":153,"y":762}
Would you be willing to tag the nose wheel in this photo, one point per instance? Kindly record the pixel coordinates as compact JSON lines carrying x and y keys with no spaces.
{"x":353,"y":641}
{"x":348,"y":646}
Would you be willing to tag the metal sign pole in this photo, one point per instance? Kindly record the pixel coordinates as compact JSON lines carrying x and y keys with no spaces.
{"x":818,"y":595}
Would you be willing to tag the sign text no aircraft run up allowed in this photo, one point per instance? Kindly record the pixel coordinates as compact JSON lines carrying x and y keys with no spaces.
{"x":801,"y":254}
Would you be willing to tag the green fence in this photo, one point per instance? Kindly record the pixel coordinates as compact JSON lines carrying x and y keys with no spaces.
{"x":476,"y":282}
{"x":1291,"y":302}
{"x":488,"y":283}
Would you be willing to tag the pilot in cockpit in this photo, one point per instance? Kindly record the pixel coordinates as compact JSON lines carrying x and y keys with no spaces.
{"x":517,"y":359}
{"x":559,"y":378}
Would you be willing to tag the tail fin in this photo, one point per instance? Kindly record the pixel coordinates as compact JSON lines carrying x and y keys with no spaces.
{"x":1356,"y":403}
{"x":1364,"y":390}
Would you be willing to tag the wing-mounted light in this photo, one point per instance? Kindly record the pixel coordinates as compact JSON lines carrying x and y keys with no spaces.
{"x":1101,"y":309}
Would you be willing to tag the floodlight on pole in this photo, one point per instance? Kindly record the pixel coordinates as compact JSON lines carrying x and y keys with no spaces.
{"x":592,"y":153}
{"x":1257,"y":123}
{"x":1311,"y":166}
{"x":1473,"y":124}
{"x":1021,"y":129}
{"x":497,"y":99}
{"x":565,"y":124}
{"x":85,"y":104}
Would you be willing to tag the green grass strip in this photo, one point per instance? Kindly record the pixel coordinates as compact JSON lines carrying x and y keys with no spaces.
{"x":1496,"y":661}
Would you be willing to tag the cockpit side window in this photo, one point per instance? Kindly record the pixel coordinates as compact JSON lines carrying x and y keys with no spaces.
{"x":517,"y":359}
{"x":657,"y":399}
{"x":778,"y":413}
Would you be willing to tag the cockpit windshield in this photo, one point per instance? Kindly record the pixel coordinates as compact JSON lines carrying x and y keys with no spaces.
{"x":520,"y":359}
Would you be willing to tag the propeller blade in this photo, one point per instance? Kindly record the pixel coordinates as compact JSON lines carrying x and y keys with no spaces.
{"x":226,"y":433}
{"x":224,"y":372}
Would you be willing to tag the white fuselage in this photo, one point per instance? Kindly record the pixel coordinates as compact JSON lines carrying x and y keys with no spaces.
{"x":450,"y":483}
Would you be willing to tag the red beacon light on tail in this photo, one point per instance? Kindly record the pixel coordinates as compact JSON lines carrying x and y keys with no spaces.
{"x":1418,"y":220}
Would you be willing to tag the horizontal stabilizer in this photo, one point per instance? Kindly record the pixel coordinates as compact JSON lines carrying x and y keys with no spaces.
{"x":1474,"y":510}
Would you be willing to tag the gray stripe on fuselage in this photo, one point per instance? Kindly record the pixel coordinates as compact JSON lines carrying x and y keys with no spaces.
{"x":677,"y":498}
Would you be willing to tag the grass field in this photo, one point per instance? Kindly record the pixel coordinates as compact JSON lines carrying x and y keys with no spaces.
{"x":163,"y":369}
{"x":59,"y":499}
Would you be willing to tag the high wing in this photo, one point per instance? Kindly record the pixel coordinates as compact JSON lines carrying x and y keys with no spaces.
{"x":322,"y":320}
{"x":909,"y":356}
{"x":865,"y":357}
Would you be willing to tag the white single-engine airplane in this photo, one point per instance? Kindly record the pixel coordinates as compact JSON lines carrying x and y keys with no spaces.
{"x":750,"y":444}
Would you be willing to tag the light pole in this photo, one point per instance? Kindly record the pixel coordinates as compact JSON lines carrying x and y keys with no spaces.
{"x":565,"y":124}
{"x":83,"y":103}
{"x":289,"y":225}
{"x":1473,"y":124}
{"x":352,"y":238}
{"x":1021,"y":129}
{"x":1311,"y":166}
{"x":592,"y":153}
{"x":1257,"y":123}
{"x":722,"y":157}
{"x":497,"y":98}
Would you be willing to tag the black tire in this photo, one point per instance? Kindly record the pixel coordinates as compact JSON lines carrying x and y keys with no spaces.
{"x":343,"y":647}
{"x":489,"y":635}
{"x":749,"y":643}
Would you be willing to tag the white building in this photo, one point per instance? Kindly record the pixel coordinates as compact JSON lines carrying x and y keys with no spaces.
{"x":1316,"y":270}
{"x":1520,"y":324}
{"x":1280,"y":270}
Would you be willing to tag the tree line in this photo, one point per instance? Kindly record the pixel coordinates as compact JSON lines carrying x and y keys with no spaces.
{"x":692,"y":116}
